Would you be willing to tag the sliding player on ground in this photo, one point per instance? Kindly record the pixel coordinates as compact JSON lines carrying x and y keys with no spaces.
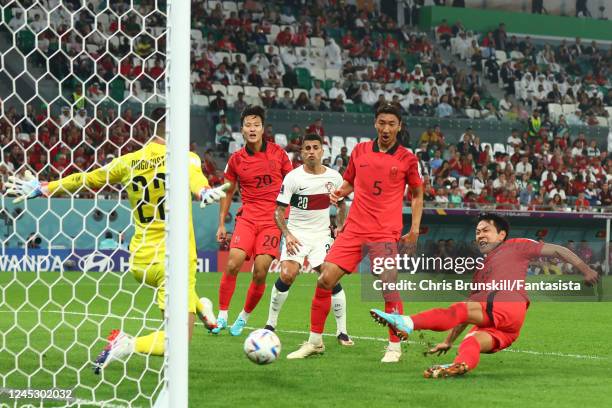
{"x":259,"y":169}
{"x":377,"y":173}
{"x":497,"y":316}
{"x":307,"y":233}
{"x":142,"y":173}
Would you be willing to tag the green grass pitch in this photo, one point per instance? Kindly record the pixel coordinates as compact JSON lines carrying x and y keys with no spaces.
{"x":562,"y":359}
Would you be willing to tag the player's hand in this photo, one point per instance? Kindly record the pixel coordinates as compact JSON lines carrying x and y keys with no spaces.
{"x":211,"y":195}
{"x":293,"y":244}
{"x":440,"y":348}
{"x":408,"y":242}
{"x":335,"y":196}
{"x":221,"y":233}
{"x":590,"y":276}
{"x":24,"y":188}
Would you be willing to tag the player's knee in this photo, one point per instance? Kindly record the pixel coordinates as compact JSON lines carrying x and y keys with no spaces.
{"x":259,"y":276}
{"x":324,"y":282}
{"x":233,"y":267}
{"x":287,"y":276}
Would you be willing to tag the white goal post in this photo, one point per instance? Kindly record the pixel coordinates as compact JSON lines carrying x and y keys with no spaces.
{"x":77,"y":84}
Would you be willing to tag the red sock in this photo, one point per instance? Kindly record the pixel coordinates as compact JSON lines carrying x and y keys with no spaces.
{"x":319,"y":309}
{"x":441,"y":319}
{"x":226,"y":290}
{"x":254,"y":293}
{"x":469,"y":352}
{"x":394,"y":307}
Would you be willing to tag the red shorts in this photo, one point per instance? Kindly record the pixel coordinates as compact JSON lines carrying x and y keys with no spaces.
{"x":256,"y":239}
{"x":508,"y":318}
{"x":348,"y":249}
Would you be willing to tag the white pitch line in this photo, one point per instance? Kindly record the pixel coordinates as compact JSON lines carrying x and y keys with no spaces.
{"x":367,"y":338}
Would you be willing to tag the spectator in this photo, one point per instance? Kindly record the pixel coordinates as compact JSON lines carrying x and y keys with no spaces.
{"x":109,"y":242}
{"x":302,"y":102}
{"x":240,"y":104}
{"x":316,"y":127}
{"x":343,"y":156}
{"x":218,"y":104}
{"x":223,"y":134}
{"x":286,"y":101}
{"x":317,"y":90}
{"x":581,"y":204}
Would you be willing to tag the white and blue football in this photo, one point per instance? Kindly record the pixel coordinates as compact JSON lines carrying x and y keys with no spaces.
{"x":262,"y":346}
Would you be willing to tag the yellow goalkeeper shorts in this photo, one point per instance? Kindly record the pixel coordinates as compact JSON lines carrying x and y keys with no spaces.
{"x":153,"y":275}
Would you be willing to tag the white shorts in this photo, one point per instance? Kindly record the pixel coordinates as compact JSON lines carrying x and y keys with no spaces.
{"x":314,"y":248}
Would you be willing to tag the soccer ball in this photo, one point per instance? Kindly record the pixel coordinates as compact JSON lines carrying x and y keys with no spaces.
{"x":262,"y":346}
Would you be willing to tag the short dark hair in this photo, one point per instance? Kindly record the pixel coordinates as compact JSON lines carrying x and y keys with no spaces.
{"x":313,"y":136}
{"x":390,"y":108}
{"x":108,"y":235}
{"x":500,"y":223}
{"x":253,"y":110}
{"x":158,"y":114}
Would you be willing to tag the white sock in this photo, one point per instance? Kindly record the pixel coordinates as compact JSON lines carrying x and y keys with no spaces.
{"x":315,"y":338}
{"x":277,"y":299}
{"x":339,"y":307}
{"x":244,"y":315}
{"x":408,"y":322}
{"x":394,"y":347}
{"x":222,"y":315}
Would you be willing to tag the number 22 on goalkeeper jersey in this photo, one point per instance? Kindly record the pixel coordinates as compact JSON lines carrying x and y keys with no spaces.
{"x":143,"y":174}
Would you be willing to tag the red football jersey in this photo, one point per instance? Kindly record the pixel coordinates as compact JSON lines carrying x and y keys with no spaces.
{"x":260,"y":176}
{"x":379,"y":180}
{"x":507,"y":263}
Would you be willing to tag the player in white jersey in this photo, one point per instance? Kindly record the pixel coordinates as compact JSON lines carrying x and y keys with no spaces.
{"x":306,"y":190}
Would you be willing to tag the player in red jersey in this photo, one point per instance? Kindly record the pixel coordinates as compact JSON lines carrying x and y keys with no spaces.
{"x":259,"y":169}
{"x":377,"y":173}
{"x":497,"y":316}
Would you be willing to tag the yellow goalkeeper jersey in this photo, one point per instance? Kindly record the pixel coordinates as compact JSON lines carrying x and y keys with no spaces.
{"x":142,"y":173}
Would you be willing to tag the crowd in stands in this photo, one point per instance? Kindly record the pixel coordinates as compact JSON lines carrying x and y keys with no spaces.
{"x":537,"y":76}
{"x":269,"y":45}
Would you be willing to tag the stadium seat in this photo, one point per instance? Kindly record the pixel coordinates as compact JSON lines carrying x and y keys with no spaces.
{"x":238,"y":138}
{"x":501,"y":56}
{"x":472,"y":113}
{"x":516,"y":55}
{"x":336,"y":145}
{"x":350,"y":143}
{"x":317,"y":42}
{"x":196,"y":35}
{"x":219,"y":87}
{"x":333,"y":74}
{"x":499,"y":148}
{"x":230,"y":6}
{"x":602,"y":121}
{"x":243,"y":57}
{"x":280,"y":92}
{"x":222,"y":55}
{"x":251,"y":91}
{"x":211,"y":4}
{"x":274,"y":48}
{"x":484,"y":144}
{"x":274,"y":30}
{"x":326,"y":140}
{"x":555,"y":110}
{"x":233,"y":146}
{"x":297,"y":92}
{"x":364,"y":139}
{"x":317,"y":73}
{"x":609,"y":110}
{"x":200,"y":100}
{"x":233,"y":90}
{"x":568,"y":108}
{"x":327,"y":153}
{"x":280,"y":139}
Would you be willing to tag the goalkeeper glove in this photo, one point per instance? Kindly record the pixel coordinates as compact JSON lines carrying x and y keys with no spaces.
{"x":26,"y":187}
{"x":211,"y":195}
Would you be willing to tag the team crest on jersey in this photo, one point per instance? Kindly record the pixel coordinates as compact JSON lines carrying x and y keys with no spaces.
{"x":394,"y":171}
{"x":329,"y":186}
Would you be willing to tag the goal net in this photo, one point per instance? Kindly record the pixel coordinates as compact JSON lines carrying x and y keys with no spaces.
{"x":78,"y":82}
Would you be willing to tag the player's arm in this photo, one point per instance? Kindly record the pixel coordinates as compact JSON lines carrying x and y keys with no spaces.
{"x":341,"y":214}
{"x":199,"y":186}
{"x":558,"y":251}
{"x":442,"y":348}
{"x":291,"y":242}
{"x":224,"y":206}
{"x":415,"y":183}
{"x":345,"y":189}
{"x":29,"y":186}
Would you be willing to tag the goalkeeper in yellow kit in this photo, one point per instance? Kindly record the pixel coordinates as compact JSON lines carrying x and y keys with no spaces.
{"x":142,"y":173}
